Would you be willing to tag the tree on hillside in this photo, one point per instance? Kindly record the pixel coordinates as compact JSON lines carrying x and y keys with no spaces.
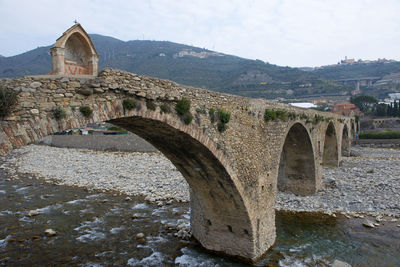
{"x":365,"y":103}
{"x":381,"y":110}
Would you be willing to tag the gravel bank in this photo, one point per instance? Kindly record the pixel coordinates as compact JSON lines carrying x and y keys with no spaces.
{"x":148,"y":174}
{"x":368,"y":183}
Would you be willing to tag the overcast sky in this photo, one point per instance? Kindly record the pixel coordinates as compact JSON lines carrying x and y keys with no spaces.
{"x":283,"y":32}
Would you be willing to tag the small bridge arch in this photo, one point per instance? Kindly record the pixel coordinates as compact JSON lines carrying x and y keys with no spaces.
{"x":346,"y":141}
{"x":297,"y":172}
{"x":330,"y":153}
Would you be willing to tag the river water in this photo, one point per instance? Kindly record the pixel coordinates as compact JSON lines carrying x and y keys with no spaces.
{"x":99,"y":229}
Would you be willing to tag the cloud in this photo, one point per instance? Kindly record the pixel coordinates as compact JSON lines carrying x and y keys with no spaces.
{"x":283,"y":32}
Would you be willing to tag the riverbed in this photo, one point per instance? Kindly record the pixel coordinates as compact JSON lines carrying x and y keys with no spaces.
{"x":94,"y":227}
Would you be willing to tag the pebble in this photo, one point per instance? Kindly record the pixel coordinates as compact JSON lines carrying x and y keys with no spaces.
{"x":368,"y":223}
{"x":50,"y":232}
{"x":139,"y":235}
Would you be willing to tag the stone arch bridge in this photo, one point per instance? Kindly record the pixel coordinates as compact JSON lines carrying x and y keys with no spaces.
{"x":233,"y":175}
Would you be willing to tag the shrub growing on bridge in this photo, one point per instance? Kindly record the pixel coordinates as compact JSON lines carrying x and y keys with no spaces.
{"x":317,"y":118}
{"x":224,"y":118}
{"x":211,"y":112}
{"x":187,"y":117}
{"x":272,"y":115}
{"x":183,"y":106}
{"x":183,"y":109}
{"x":165,"y":108}
{"x":150,"y":105}
{"x":8,"y":98}
{"x":59,"y":113}
{"x":129,"y":104}
{"x":86,"y":111}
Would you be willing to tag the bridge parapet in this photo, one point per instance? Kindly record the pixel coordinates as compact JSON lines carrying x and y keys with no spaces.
{"x":233,"y":174}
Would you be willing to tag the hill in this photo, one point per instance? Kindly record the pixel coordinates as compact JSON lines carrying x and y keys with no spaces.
{"x":187,"y":65}
{"x":352,"y":71}
{"x":384,"y":77}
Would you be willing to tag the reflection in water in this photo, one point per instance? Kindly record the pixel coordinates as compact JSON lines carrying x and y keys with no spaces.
{"x":99,"y":229}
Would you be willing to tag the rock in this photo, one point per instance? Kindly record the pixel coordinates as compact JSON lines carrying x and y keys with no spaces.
{"x":85,"y":91}
{"x":95,"y":85}
{"x":135,"y":216}
{"x":142,"y":241}
{"x":113,"y":86}
{"x":338,"y":263}
{"x":32,"y":213}
{"x":139,"y":235}
{"x":370,"y":171}
{"x":64,"y":80}
{"x":35,"y":84}
{"x":98,"y":90}
{"x":50,"y":232}
{"x":141,"y":94}
{"x":128,"y":199}
{"x":35,"y":111}
{"x":368,"y":223}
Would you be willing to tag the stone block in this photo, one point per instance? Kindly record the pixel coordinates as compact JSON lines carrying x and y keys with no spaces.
{"x":85,"y":91}
{"x":75,"y":84}
{"x":35,"y":84}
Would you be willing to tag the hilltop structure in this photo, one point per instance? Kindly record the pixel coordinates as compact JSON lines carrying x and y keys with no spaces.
{"x":74,"y":53}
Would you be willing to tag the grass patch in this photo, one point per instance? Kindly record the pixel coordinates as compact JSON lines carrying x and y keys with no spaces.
{"x":129,"y":104}
{"x":8,"y":98}
{"x":183,"y":106}
{"x":59,"y":113}
{"x":165,"y":108}
{"x":86,"y":111}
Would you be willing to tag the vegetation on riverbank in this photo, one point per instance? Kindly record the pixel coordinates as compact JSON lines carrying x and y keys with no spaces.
{"x":380,"y":135}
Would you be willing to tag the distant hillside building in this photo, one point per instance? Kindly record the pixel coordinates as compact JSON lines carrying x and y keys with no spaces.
{"x":346,"y":108}
{"x":74,"y":53}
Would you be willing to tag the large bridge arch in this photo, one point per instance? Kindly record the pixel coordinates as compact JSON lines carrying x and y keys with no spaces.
{"x":219,"y":217}
{"x":297,"y":170}
{"x":330,"y":155}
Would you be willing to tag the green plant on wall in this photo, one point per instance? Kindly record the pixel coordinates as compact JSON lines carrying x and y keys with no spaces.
{"x":317,"y":118}
{"x":292,"y":116}
{"x":129,"y":104}
{"x":183,"y":106}
{"x":273,"y":115}
{"x":8,"y":98}
{"x":187,"y":117}
{"x":59,"y":113}
{"x":211,"y":113}
{"x":183,"y":109}
{"x":86,"y":111}
{"x":224,"y":118}
{"x":165,"y":108}
{"x":150,"y":105}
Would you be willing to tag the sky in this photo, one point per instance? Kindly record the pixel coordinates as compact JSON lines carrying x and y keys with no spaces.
{"x":293,"y":33}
